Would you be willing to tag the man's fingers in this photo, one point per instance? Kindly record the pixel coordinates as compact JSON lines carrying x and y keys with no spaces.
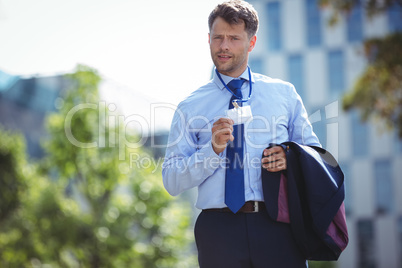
{"x":224,"y":120}
{"x":221,"y":134}
{"x":275,"y":159}
{"x":231,"y":137}
{"x":273,"y":150}
{"x":222,"y":128}
{"x":275,"y":166}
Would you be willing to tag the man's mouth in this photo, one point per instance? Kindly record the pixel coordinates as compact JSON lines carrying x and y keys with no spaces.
{"x":224,"y":57}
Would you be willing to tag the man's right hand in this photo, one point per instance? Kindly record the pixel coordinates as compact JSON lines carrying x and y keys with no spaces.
{"x":221,"y":134}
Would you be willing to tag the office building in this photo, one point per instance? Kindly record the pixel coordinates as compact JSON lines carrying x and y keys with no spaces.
{"x":296,"y":44}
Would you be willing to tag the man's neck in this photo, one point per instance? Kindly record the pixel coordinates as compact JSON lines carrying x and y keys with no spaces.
{"x":235,"y":74}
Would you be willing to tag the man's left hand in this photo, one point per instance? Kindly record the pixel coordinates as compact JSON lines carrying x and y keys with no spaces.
{"x":274,"y":159}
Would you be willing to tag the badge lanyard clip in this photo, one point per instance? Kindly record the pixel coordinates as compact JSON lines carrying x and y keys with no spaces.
{"x":239,"y":114}
{"x":235,"y":105}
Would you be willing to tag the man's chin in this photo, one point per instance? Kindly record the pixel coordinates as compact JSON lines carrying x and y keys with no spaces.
{"x":221,"y":69}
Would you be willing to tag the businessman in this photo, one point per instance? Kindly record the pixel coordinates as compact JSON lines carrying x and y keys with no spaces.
{"x":217,"y":137}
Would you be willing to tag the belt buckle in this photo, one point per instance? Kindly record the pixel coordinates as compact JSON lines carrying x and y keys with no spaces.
{"x":256,"y":207}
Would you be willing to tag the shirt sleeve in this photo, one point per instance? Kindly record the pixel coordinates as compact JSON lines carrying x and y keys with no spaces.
{"x":300,"y":128}
{"x":187,"y":164}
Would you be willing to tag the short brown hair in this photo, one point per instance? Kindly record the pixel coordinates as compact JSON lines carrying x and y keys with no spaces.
{"x":233,"y":12}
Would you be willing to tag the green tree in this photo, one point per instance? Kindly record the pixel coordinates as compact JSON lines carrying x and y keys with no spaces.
{"x":25,"y":237}
{"x":341,"y":8}
{"x":97,"y":209}
{"x":125,"y":217}
{"x":12,"y":180}
{"x":13,"y":184}
{"x":378,"y":91}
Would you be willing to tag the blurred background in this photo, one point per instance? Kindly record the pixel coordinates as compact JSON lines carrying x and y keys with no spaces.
{"x":88,"y":90}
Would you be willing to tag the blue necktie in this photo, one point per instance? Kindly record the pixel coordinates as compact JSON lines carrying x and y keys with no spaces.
{"x":234,"y":182}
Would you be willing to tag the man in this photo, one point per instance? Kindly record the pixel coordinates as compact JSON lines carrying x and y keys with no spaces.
{"x":207,"y":149}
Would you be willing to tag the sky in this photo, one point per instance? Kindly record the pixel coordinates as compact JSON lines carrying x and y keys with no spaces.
{"x":155,"y":51}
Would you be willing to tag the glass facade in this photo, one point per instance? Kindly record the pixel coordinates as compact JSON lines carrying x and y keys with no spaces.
{"x":384,"y":186}
{"x":355,"y":24}
{"x":360,"y":136}
{"x":296,"y":73}
{"x":313,"y":23}
{"x":319,"y":125}
{"x":366,"y":244}
{"x":274,"y":26}
{"x":336,"y":73}
{"x":326,"y":55}
{"x":395,"y":18}
{"x":348,"y":187}
{"x":256,"y":65}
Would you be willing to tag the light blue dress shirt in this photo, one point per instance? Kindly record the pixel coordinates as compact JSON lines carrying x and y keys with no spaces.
{"x":278,"y":116}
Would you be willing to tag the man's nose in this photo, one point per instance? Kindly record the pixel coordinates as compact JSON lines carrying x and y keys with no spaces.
{"x":225,"y":44}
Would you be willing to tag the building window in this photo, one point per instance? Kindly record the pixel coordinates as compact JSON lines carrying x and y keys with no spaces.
{"x":348,"y":187}
{"x":360,"y":136}
{"x":395,"y":18}
{"x":27,"y":93}
{"x":296,"y":73}
{"x":355,"y":24}
{"x":336,"y":75}
{"x":256,"y":65}
{"x":313,"y":16}
{"x":319,"y":125}
{"x":383,"y":182}
{"x":366,"y":245}
{"x":274,"y":26}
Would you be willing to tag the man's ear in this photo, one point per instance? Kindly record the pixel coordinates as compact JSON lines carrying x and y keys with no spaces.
{"x":253,"y":40}
{"x":209,"y":38}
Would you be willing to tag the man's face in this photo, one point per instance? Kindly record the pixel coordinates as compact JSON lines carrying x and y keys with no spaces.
{"x":230,"y":45}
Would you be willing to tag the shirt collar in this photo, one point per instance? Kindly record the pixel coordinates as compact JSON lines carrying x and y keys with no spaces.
{"x":227,"y":79}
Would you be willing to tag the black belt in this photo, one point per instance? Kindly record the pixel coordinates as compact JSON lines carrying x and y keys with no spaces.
{"x":248,"y":207}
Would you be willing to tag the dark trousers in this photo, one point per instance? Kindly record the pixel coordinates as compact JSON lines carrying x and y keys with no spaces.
{"x":245,"y":240}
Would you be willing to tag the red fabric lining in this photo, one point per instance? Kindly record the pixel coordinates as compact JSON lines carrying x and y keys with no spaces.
{"x":283,"y":205}
{"x":337,"y":230}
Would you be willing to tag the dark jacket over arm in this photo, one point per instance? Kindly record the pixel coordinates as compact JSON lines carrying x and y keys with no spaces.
{"x":309,"y":196}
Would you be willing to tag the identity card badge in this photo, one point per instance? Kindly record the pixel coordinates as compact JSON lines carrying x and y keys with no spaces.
{"x":239,"y":114}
